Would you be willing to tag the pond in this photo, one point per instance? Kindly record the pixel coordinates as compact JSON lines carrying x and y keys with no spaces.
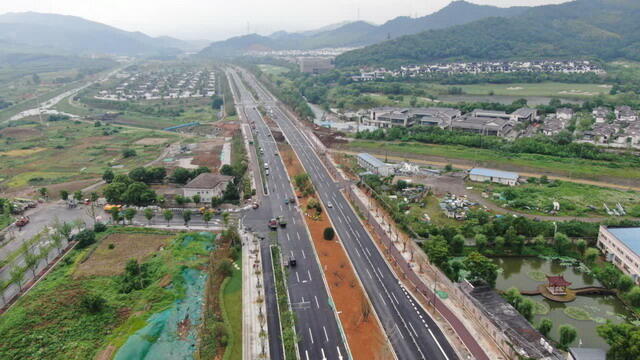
{"x":527,"y":273}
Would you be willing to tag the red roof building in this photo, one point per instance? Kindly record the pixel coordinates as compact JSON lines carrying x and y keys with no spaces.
{"x":557,"y":285}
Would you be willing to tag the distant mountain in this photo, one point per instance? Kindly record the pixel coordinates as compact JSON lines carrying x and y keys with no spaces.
{"x":79,"y":36}
{"x":605,"y":29}
{"x":360,"y":33}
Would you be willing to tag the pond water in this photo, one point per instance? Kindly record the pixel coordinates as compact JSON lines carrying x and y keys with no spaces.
{"x":523,"y":274}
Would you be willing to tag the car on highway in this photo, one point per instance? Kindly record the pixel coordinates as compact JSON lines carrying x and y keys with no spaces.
{"x":273,"y":224}
{"x":329,"y":204}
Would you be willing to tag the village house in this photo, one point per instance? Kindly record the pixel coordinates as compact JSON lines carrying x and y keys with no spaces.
{"x":207,"y":186}
{"x":601,"y":114}
{"x":625,"y":113}
{"x":565,"y":114}
{"x":552,"y":125}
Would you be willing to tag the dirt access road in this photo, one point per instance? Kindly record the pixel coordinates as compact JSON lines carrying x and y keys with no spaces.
{"x":466,"y":166}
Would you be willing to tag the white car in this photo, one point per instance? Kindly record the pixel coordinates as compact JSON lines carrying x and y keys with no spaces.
{"x":329,"y":205}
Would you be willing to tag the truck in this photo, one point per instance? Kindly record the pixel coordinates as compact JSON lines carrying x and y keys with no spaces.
{"x":273,"y":224}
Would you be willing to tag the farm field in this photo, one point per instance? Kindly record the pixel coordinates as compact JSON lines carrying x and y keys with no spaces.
{"x":35,"y":154}
{"x":54,"y":320}
{"x":542,"y":164}
{"x":155,"y":114}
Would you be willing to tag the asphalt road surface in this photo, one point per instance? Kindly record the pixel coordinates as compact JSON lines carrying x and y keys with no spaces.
{"x":412,"y":332}
{"x":316,"y":320}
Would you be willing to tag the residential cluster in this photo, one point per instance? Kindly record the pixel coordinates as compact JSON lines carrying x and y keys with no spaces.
{"x":161,"y":84}
{"x":617,"y":127}
{"x":542,"y":66}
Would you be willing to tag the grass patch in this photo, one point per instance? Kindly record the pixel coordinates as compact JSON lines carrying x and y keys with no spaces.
{"x":541,"y":308}
{"x":69,"y":150}
{"x":231,"y":304}
{"x":51,"y":323}
{"x":574,"y":199}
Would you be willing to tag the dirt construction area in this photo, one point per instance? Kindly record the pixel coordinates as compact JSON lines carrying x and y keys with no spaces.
{"x":113,"y":252}
{"x":364,"y":335}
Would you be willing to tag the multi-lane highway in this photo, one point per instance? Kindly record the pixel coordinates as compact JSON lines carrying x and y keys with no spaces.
{"x":412,"y":332}
{"x":316,"y":321}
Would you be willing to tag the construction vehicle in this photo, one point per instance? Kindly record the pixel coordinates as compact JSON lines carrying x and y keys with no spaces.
{"x":110,"y":207}
{"x":23,"y":221}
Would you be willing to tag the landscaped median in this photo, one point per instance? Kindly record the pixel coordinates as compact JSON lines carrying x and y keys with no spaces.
{"x":364,"y":334}
{"x":287,"y":317}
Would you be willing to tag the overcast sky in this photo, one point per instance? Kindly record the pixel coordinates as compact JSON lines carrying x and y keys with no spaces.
{"x":219,"y":19}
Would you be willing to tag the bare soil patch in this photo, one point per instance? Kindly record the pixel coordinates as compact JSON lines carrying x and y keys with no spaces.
{"x":20,"y":133}
{"x":109,"y":262}
{"x":151,"y":141}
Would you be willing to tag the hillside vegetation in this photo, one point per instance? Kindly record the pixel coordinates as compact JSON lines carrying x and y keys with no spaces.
{"x":607,"y":29}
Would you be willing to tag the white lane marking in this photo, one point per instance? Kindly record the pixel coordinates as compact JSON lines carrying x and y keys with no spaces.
{"x":369,"y":273}
{"x":309,"y":272}
{"x":437,"y":343}
{"x":311,"y":335}
{"x":384,"y":302}
{"x":323,"y":357}
{"x":297,"y":233}
{"x":294,"y":220}
{"x":292,"y":253}
{"x":339,"y":353}
{"x":380,"y":272}
{"x":306,"y":354}
{"x":358,"y":252}
{"x":289,"y":239}
{"x":399,"y":332}
{"x":304,"y":256}
{"x":325,"y":333}
{"x":317,"y":303}
{"x":414,"y":330}
{"x":297,"y":276}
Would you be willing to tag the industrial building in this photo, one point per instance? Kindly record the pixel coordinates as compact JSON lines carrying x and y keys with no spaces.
{"x":495,"y":176}
{"x":621,"y":246}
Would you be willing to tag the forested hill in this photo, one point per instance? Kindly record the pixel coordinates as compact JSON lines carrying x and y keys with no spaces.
{"x":606,"y":29}
{"x":360,"y":33}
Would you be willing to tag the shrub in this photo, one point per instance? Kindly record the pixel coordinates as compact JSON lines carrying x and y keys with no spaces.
{"x":328,"y":234}
{"x":99,"y":227}
{"x":111,"y":246}
{"x":85,"y":238}
{"x":225,"y":268}
{"x":92,"y":303}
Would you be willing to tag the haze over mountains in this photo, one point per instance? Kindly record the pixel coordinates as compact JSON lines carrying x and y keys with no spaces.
{"x":61,"y":34}
{"x":360,"y":33}
{"x":605,"y":29}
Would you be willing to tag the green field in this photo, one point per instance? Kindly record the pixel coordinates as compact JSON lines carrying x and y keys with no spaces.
{"x":570,"y":167}
{"x":51,"y":321}
{"x":232,"y":305}
{"x":574,"y":199}
{"x":55,"y":152}
{"x":552,"y":89}
{"x":273,"y":69}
